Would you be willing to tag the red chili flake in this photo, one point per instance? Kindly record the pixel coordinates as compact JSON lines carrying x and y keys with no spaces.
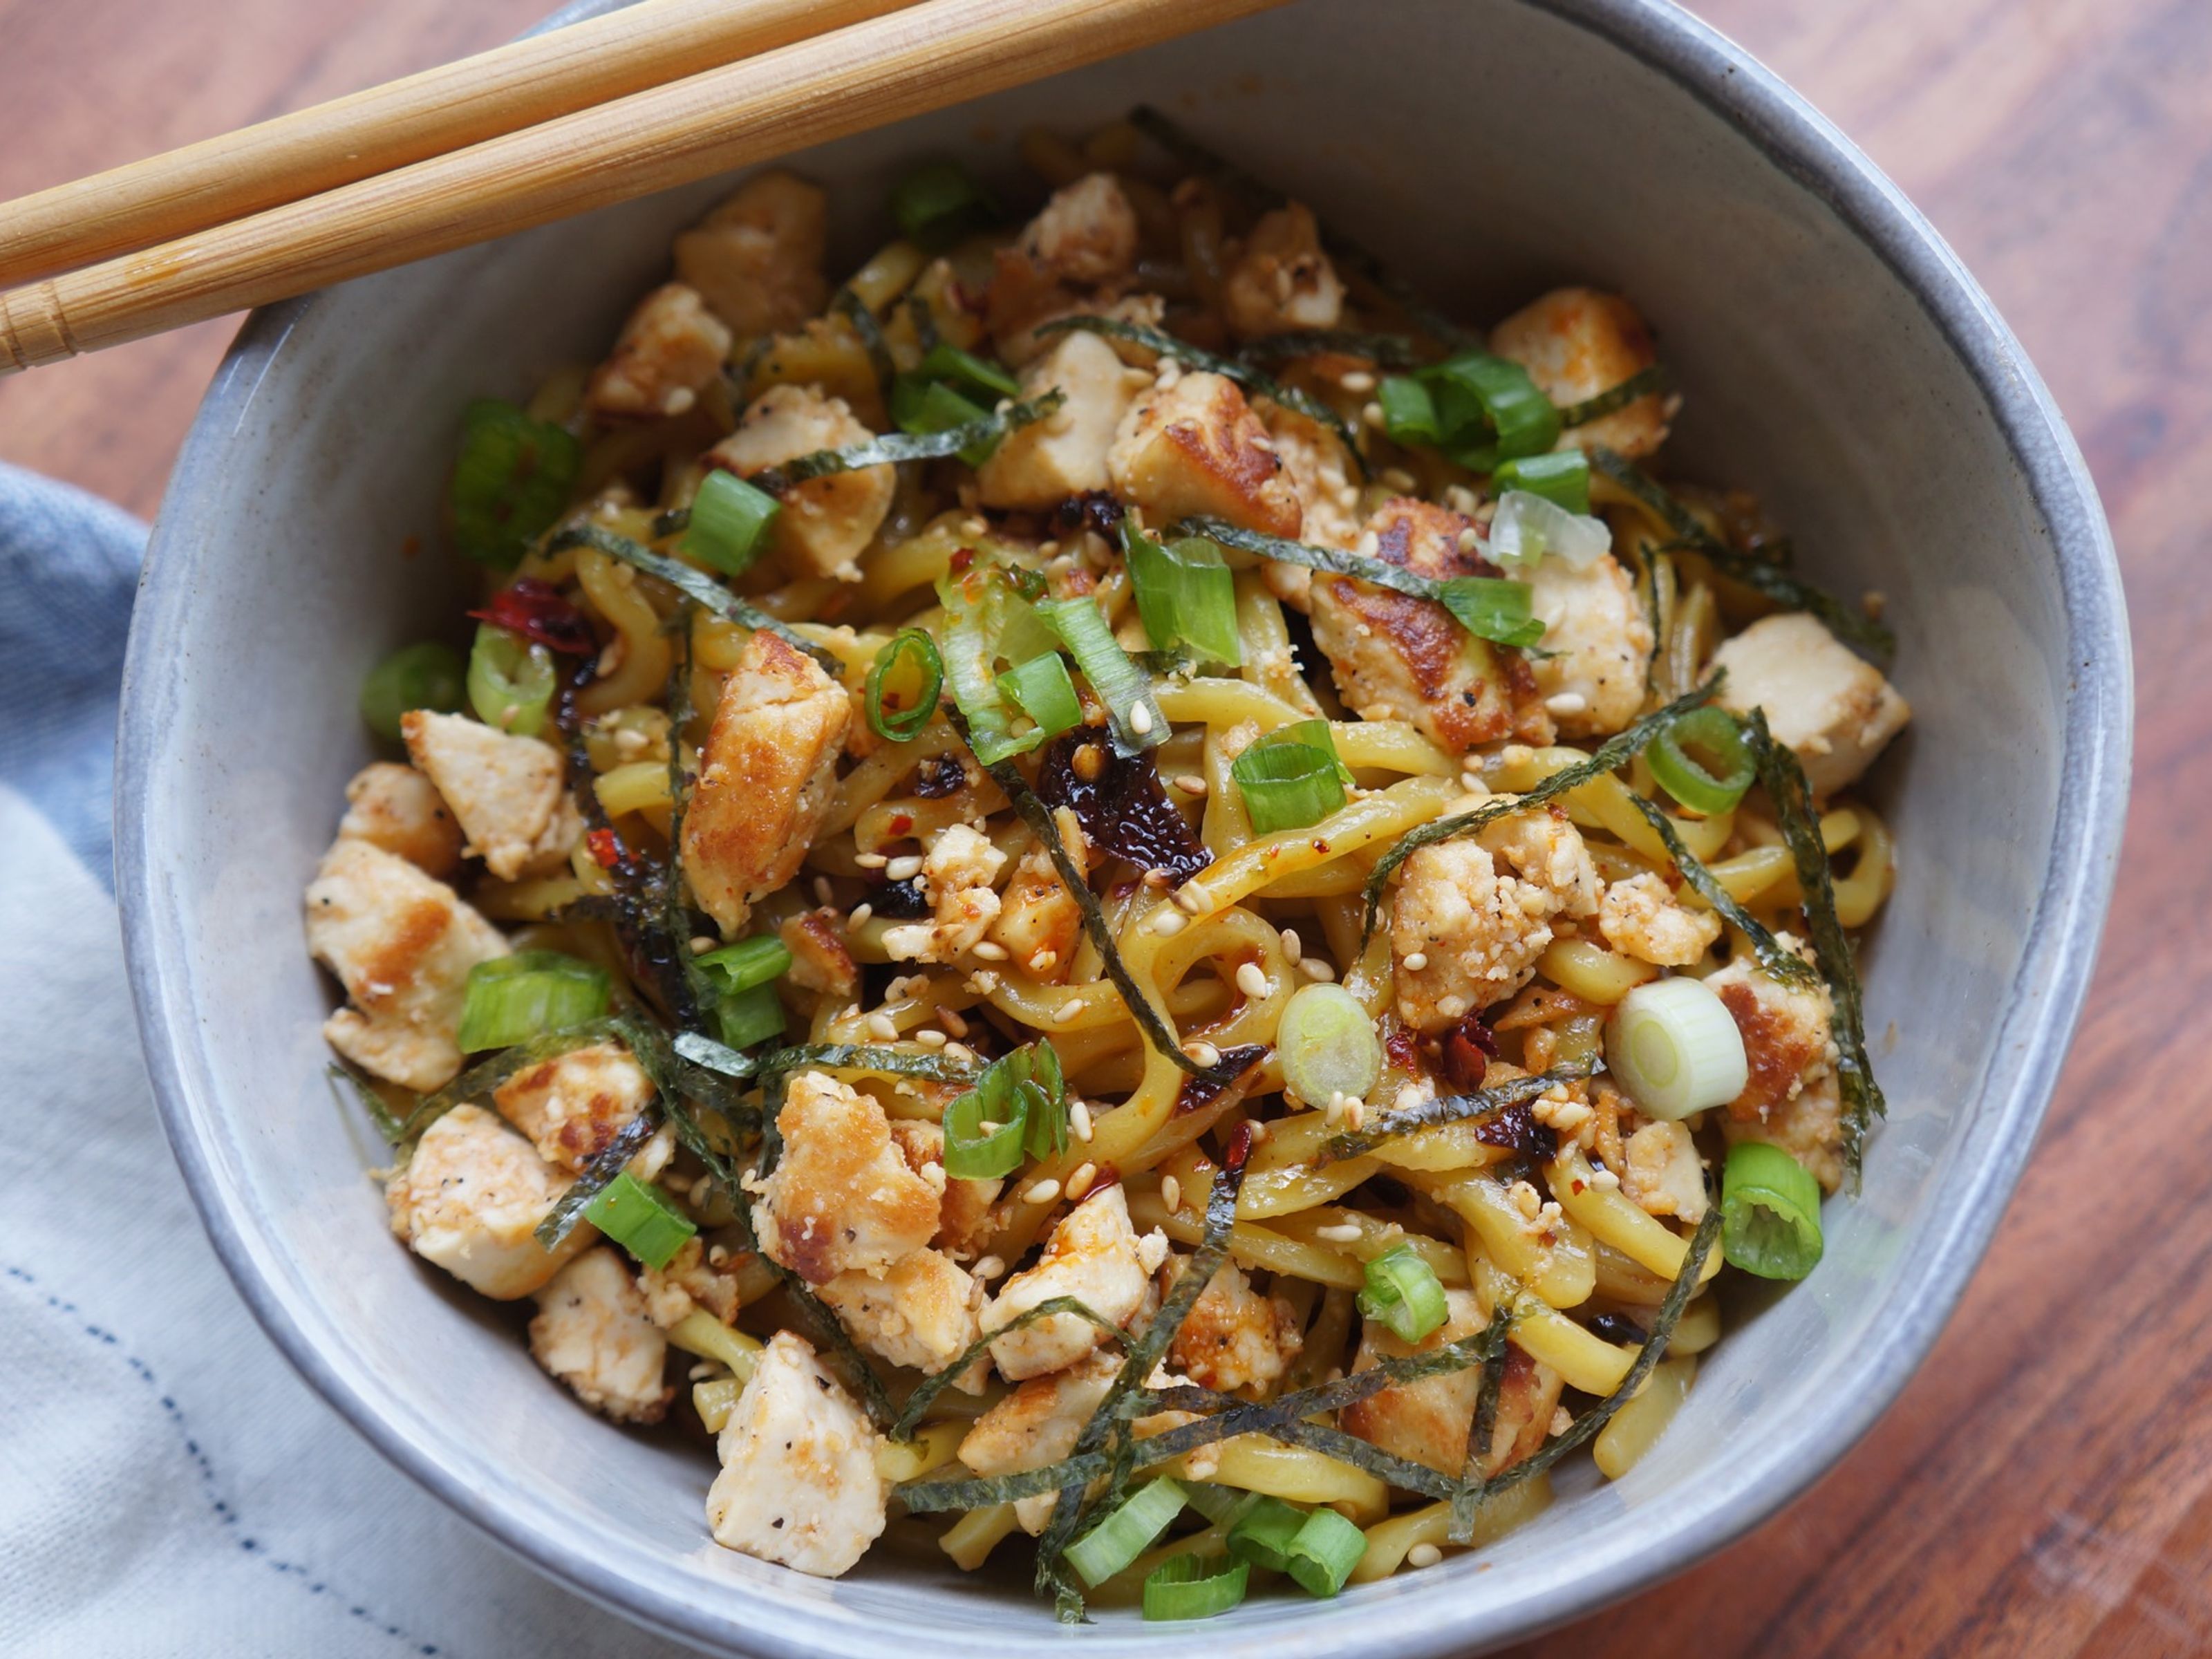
{"x":536,"y":610}
{"x":1467,"y":1053}
{"x":1578,"y":1186}
{"x":960,"y":559}
{"x":902,"y":823}
{"x":1239,"y":1148}
{"x":1404,"y":1048}
{"x":606,"y":847}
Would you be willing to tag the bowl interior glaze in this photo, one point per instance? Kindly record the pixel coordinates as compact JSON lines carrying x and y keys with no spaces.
{"x":1833,"y":358}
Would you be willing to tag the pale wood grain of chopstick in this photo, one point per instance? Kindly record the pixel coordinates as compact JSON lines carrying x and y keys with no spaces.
{"x":438,"y":110}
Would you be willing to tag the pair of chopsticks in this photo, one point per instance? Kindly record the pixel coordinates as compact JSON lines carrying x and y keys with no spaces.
{"x":661,"y":93}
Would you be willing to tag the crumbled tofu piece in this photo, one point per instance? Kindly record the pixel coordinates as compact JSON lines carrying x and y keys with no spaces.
{"x":1576,"y":342}
{"x":964,"y":1221}
{"x":757,"y":258}
{"x":820,"y":960}
{"x":1094,"y":1256}
{"x":1664,"y":1176}
{"x":1395,"y":657}
{"x":842,"y":1198}
{"x":1280,"y":280}
{"x":402,"y":944}
{"x":956,"y":877}
{"x":1037,"y":1424}
{"x":1039,"y":921}
{"x":1086,"y":233}
{"x":922,"y":1312}
{"x":1836,"y":711}
{"x":826,"y":522}
{"x":1314,"y":461}
{"x":766,"y":777}
{"x":670,"y":351}
{"x":592,"y":1331}
{"x":1064,"y":455}
{"x":1791,"y":1098}
{"x":1597,"y":644}
{"x":1235,"y":1337}
{"x":1427,"y":1422}
{"x":397,"y":808}
{"x":691,"y":1281}
{"x":1192,"y":445}
{"x":1640,"y":916}
{"x":1477,"y":912}
{"x":471,"y":1198}
{"x":800,"y":1483}
{"x":508,"y":793}
{"x":574,"y":1105}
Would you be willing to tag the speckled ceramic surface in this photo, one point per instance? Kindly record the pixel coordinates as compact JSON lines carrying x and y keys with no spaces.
{"x":1835,"y":357}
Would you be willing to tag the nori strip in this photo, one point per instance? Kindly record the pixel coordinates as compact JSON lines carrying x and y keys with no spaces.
{"x":379,"y":1115}
{"x":919,"y":1401}
{"x":1785,"y":785}
{"x":695,"y":585}
{"x":924,"y":320}
{"x":1615,"y":398}
{"x":1333,"y":560}
{"x":866,"y":1057}
{"x":1452,"y":1108}
{"x":1482,"y":1428}
{"x":1791,"y":592}
{"x":568,"y":1209}
{"x":888,"y":448}
{"x":704,"y":1052}
{"x":1785,"y":965}
{"x":849,"y":306}
{"x":1036,"y":814}
{"x":1384,"y":350}
{"x":1229,"y":369}
{"x":1616,"y":751}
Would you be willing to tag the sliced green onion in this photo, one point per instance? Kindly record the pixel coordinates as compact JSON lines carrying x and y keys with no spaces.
{"x":639,"y":1217}
{"x":983,"y":612}
{"x":937,"y":205}
{"x":1404,"y":1292}
{"x":1559,"y":476}
{"x":1124,"y":688}
{"x":1492,"y":608}
{"x":1770,"y":1212}
{"x":729,"y":525}
{"x":1127,"y":1533}
{"x":1326,"y":1550}
{"x":512,"y":999}
{"x":1714,"y":733}
{"x":1263,"y":1536}
{"x":1181,"y":1587}
{"x":1040,"y":689}
{"x":1528,"y":528}
{"x":742,"y":976}
{"x":1023,"y":1095}
{"x":511,"y":481}
{"x":922,"y":407}
{"x":430,"y":675}
{"x":1328,"y":1045}
{"x":905,"y":683}
{"x":966,"y":371}
{"x":1409,"y":413}
{"x":511,"y":681}
{"x":1676,"y":1047}
{"x":749,"y":1016}
{"x":1185,"y":594}
{"x":1291,"y":777}
{"x":980,"y":1147}
{"x":1477,"y":393}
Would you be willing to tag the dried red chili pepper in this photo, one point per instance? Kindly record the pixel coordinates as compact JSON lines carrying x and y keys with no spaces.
{"x":536,"y":610}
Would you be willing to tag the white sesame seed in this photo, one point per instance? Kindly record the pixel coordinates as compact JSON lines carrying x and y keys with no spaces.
{"x":1204,"y":1052}
{"x":1408,"y":1097}
{"x":1043,"y":1193}
{"x":974,"y":526}
{"x":1290,"y":943}
{"x":1398,"y":478}
{"x":1067,"y":1011}
{"x":1258,"y":1130}
{"x":1424,"y":1555}
{"x":951,"y":1020}
{"x":1333,"y":1113}
{"x":883,"y":1028}
{"x":1355,"y":1114}
{"x":1193,"y":898}
{"x":870,"y":860}
{"x":1358,"y":380}
{"x":1043,"y":960}
{"x":1167,"y":921}
{"x":1251,"y":979}
{"x":929,"y":1039}
{"x":1141,"y":720}
{"x":823,"y":893}
{"x":1171,"y":1194}
{"x":1469,"y":541}
{"x":904,"y":868}
{"x":1417,"y":961}
{"x":1315,"y":968}
{"x":1342,"y":1232}
{"x":1078,"y":1182}
{"x":958,"y":1050}
{"x":1566,"y":702}
{"x":991,"y":951}
{"x":1372,"y":414}
{"x":989,"y":1267}
{"x":861,"y":915}
{"x":700,"y":944}
{"x":1191,"y":784}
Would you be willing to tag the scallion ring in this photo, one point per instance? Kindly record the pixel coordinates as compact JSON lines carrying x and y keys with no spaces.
{"x":511,"y":681}
{"x":1702,"y":760}
{"x":512,"y":999}
{"x":729,"y":522}
{"x":742,"y":976}
{"x":1676,"y":1047}
{"x":1263,"y":1534}
{"x":1124,"y":688}
{"x":1328,"y":1045}
{"x":510,"y":483}
{"x":1559,"y":476}
{"x":1183,"y":1587}
{"x":1041,"y":689}
{"x":1185,"y":594}
{"x":639,"y":1217}
{"x":1491,"y":608}
{"x":1127,"y":1533}
{"x":1291,"y":777}
{"x":1404,"y":1293}
{"x":904,"y":682}
{"x":1325,"y":1551}
{"x":937,"y":205}
{"x":429,"y":675}
{"x":1770,"y":1212}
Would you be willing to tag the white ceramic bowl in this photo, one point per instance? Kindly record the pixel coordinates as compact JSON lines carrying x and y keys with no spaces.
{"x":1835,"y":357}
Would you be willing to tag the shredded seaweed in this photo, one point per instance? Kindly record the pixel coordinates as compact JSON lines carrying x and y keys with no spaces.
{"x":1467,"y":1494}
{"x":704,"y":1052}
{"x":695,"y":585}
{"x":924,"y":320}
{"x":888,"y":448}
{"x":1384,"y":350}
{"x":867,"y":1057}
{"x":1615,"y":398}
{"x":1332,"y":560}
{"x":1453,"y":1108}
{"x":1785,"y":783}
{"x":568,"y":1209}
{"x":1615,"y":752}
{"x":1785,"y":965}
{"x":1036,"y":814}
{"x":393,"y":1130}
{"x":1229,"y":368}
{"x":925,"y":1394}
{"x":1772,"y":580}
{"x":486,"y":1075}
{"x":854,"y":310}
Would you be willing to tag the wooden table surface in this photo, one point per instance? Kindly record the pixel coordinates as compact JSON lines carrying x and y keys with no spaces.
{"x":2044,"y":1486}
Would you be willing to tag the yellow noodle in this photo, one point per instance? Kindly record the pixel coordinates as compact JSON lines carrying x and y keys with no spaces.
{"x":641,"y":670}
{"x":1591,"y":972}
{"x":1556,"y":1264}
{"x":1636,"y":1425}
{"x":1610,"y":1216}
{"x":1390,"y":1542}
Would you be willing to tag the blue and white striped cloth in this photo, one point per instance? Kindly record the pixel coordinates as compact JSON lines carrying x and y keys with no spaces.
{"x":168,"y":1486}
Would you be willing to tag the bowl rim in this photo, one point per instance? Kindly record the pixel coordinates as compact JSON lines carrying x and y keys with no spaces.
{"x":2040,"y":1012}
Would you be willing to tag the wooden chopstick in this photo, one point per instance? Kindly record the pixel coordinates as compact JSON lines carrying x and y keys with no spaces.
{"x":444,"y":109}
{"x":867,"y":74}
